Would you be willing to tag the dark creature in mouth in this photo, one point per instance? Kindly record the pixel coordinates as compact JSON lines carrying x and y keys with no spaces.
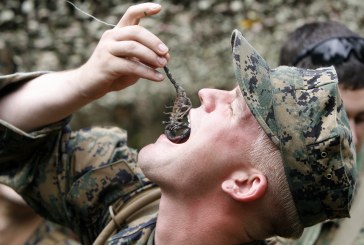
{"x":177,"y":128}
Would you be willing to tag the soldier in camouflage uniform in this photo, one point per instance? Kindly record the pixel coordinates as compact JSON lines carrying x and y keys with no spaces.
{"x":320,"y":44}
{"x":271,"y":156}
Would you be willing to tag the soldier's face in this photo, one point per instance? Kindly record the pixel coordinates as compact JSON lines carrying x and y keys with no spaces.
{"x":354,"y":107}
{"x":222,"y":130}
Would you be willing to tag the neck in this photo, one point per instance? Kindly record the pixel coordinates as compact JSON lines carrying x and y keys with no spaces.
{"x":198,"y":221}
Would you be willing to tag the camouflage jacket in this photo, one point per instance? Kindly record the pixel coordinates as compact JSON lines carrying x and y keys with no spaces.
{"x":72,"y":178}
{"x":49,"y":233}
{"x":320,"y":234}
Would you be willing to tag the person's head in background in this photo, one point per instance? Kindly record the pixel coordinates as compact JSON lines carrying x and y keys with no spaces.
{"x":330,"y":43}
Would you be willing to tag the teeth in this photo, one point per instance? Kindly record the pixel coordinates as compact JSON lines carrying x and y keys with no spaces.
{"x":189,"y":121}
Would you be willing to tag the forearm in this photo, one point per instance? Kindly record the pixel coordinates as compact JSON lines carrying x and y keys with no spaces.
{"x":43,"y":100}
{"x":123,"y":55}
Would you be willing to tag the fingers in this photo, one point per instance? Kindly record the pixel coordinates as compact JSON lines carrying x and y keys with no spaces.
{"x":134,"y":13}
{"x":140,"y":35}
{"x":128,"y":30}
{"x":133,"y":51}
{"x":139,"y":51}
{"x":134,"y":68}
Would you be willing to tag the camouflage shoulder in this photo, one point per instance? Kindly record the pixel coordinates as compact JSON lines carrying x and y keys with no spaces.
{"x":49,"y":233}
{"x":308,"y":237}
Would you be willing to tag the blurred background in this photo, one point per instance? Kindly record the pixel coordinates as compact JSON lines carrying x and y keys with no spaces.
{"x":53,"y":35}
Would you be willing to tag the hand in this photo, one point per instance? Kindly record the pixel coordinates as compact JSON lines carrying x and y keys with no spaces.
{"x":123,"y":55}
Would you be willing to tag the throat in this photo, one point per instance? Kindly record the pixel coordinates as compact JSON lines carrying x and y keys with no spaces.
{"x":182,"y":223}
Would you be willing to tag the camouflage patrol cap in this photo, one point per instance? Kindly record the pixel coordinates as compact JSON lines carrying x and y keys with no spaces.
{"x":302,"y":112}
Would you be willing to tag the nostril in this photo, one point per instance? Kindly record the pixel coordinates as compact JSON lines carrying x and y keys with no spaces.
{"x":207,"y":99}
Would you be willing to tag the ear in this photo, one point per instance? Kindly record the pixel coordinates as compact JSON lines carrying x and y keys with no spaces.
{"x":245,"y":187}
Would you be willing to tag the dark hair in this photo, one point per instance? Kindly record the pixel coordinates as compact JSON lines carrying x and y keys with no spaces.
{"x":349,"y":72}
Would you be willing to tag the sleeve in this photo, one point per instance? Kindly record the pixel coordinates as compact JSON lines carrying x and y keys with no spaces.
{"x":68,"y":177}
{"x":71,"y":177}
{"x":49,"y":233}
{"x":17,"y":78}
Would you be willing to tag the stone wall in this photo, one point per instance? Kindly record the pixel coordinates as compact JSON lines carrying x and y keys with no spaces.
{"x":53,"y":35}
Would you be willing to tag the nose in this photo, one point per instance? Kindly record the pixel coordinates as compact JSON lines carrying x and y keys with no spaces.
{"x":354,"y":131}
{"x":210,"y":98}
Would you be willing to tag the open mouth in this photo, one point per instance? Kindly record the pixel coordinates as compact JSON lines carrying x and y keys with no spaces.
{"x":179,"y":133}
{"x":181,"y":137}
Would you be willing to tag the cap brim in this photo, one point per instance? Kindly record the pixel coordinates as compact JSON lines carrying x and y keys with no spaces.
{"x":253,"y":75}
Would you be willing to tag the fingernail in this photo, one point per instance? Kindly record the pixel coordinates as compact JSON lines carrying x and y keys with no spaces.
{"x":159,"y":76}
{"x":163,"y":48}
{"x":161,"y":61}
{"x":154,"y":6}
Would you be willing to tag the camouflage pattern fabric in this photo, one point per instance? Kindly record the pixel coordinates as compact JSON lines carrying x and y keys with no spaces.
{"x":140,"y":234}
{"x":302,"y":112}
{"x":70,"y":178}
{"x":323,"y":233}
{"x":320,"y":234}
{"x":17,"y":78}
{"x":49,"y":233}
{"x":73,"y":177}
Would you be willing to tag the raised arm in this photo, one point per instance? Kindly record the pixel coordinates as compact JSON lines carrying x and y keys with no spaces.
{"x":123,"y":55}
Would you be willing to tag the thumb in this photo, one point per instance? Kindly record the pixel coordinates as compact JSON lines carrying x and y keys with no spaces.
{"x":134,"y":13}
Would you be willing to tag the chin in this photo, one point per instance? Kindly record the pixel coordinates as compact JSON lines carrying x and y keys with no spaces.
{"x":150,"y":154}
{"x":143,"y":155}
{"x":149,"y":161}
{"x":157,"y":156}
